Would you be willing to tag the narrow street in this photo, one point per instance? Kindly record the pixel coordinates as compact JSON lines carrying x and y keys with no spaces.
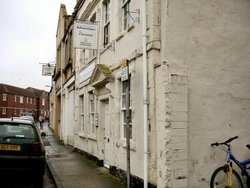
{"x":71,"y":169}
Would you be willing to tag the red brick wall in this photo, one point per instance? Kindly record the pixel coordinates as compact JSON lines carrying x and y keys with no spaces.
{"x":15,"y":108}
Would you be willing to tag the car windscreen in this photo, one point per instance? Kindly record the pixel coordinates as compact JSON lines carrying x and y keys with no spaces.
{"x":16,"y":130}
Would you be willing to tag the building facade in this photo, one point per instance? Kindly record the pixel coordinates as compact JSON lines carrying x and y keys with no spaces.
{"x":197,"y":86}
{"x":15,"y":101}
{"x":64,"y":79}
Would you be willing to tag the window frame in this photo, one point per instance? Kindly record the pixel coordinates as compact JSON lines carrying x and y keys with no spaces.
{"x":21,"y":99}
{"x":92,"y":113}
{"x":4,"y":111}
{"x":123,"y":110}
{"x":21,"y":112}
{"x":92,"y":53}
{"x":4,"y":97}
{"x":82,"y":125}
{"x":43,"y":102}
{"x":106,"y":27}
{"x":126,"y":20}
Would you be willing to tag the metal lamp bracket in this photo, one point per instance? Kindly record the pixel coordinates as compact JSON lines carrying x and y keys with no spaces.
{"x":136,"y":17}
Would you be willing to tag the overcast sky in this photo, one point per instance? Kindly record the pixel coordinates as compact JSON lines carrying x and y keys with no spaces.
{"x":28,"y":38}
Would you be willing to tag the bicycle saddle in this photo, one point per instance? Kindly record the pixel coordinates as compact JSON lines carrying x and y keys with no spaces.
{"x":248,"y":146}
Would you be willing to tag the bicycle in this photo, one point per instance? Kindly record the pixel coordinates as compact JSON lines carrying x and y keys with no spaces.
{"x":225,"y":176}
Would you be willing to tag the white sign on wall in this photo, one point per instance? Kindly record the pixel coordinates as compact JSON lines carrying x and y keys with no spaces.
{"x":124,"y":70}
{"x":85,"y":35}
{"x":124,"y":74}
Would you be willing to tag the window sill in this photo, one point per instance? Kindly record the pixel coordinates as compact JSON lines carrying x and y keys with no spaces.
{"x":82,"y":135}
{"x":123,"y":33}
{"x":120,"y":36}
{"x":130,"y":28}
{"x":108,"y":46}
{"x":92,"y":137}
{"x":89,"y":137}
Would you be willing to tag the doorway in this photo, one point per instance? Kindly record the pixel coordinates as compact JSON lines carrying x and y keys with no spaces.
{"x":106,"y":133}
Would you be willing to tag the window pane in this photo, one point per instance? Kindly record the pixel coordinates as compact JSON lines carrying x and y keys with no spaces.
{"x":124,"y":116}
{"x":123,"y":110}
{"x":4,"y":97}
{"x":106,"y":34}
{"x":93,"y":123}
{"x":92,"y":118}
{"x":82,"y":112}
{"x":123,"y":101}
{"x":130,"y":131}
{"x":21,"y":99}
{"x":82,"y":104}
{"x":92,"y":106}
{"x":107,"y":11}
{"x":3,"y":110}
{"x":126,"y":16}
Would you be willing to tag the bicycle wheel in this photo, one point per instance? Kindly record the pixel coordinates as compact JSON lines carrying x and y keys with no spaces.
{"x":218,"y":178}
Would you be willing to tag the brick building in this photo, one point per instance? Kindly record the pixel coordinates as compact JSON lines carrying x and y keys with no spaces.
{"x":15,"y":101}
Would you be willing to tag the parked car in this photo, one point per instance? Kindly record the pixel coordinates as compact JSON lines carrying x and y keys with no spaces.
{"x":27,"y":117}
{"x":21,"y":148}
{"x":29,"y":113}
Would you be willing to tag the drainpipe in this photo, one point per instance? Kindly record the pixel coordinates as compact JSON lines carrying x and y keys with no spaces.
{"x":145,"y":103}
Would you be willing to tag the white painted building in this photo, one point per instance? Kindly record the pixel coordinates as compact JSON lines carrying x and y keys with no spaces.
{"x":198,"y":87}
{"x":68,"y":115}
{"x":64,"y":80}
{"x":101,"y":97}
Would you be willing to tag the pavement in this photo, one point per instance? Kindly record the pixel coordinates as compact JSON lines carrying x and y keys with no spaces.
{"x":70,"y":169}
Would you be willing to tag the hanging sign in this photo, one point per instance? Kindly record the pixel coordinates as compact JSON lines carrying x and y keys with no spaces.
{"x":48,"y":70}
{"x":85,"y":35}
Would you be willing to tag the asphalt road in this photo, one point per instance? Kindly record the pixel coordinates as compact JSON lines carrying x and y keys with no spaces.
{"x":25,"y":181}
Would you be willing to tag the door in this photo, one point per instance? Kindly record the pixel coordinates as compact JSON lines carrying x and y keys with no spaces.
{"x":71,"y":117}
{"x":106,"y":135}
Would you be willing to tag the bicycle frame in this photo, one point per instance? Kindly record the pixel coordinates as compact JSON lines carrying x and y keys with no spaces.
{"x":228,"y":167}
{"x":241,"y":164}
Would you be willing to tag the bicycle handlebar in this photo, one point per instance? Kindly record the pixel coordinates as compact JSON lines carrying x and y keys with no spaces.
{"x":224,"y":143}
{"x":231,"y":139}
